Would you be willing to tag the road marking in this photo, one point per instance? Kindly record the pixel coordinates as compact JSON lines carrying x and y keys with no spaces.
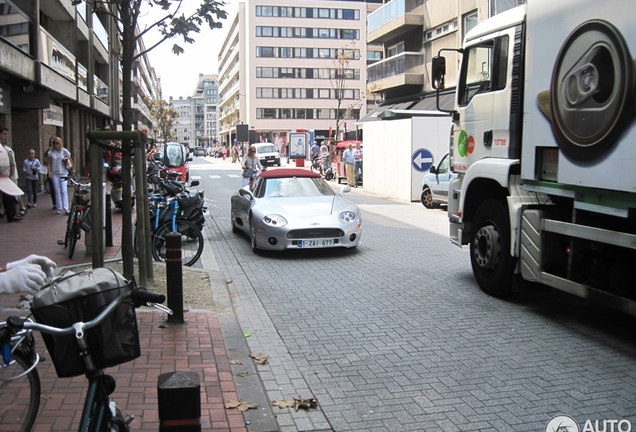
{"x":195,"y":177}
{"x":214,"y":176}
{"x":233,"y":175}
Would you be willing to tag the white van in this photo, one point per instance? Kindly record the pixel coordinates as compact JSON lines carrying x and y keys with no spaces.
{"x":267,"y":154}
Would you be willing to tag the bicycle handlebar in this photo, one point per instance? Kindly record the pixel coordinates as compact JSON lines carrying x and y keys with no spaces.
{"x":139,"y":295}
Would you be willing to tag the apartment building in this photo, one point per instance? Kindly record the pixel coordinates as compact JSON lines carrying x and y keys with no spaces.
{"x":182,"y":126}
{"x":412,"y":33}
{"x":59,"y":75}
{"x":279,"y":68}
{"x":204,"y":111}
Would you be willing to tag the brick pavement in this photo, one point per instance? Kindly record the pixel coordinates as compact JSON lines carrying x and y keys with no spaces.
{"x":196,"y":346}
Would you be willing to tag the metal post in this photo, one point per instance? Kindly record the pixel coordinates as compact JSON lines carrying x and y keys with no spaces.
{"x":174,"y":277}
{"x":109,"y":222}
{"x":179,"y":397}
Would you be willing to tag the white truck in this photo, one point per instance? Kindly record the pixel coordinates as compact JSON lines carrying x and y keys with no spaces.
{"x":544,"y":145}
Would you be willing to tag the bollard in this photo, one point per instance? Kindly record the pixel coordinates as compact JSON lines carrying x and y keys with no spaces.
{"x":174,"y":277}
{"x":108,"y":222}
{"x":179,"y":397}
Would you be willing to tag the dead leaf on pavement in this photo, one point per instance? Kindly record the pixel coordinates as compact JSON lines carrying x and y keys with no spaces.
{"x":305,"y":403}
{"x":236,"y":362}
{"x":260,"y":359}
{"x":284,"y":404}
{"x":241,"y":406}
{"x":242,"y":374}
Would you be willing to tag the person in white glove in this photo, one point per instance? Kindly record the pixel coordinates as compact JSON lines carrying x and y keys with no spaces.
{"x":27,"y":275}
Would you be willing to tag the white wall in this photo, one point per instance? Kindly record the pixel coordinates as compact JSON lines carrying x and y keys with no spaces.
{"x":388,"y":149}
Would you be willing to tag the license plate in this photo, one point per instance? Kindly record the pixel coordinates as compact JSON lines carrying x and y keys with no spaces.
{"x":314,"y":243}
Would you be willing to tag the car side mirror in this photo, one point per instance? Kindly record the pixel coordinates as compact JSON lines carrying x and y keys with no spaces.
{"x":433,"y":170}
{"x":345,"y":189}
{"x":194,"y":183}
{"x":244,"y":191}
{"x":189,"y":159}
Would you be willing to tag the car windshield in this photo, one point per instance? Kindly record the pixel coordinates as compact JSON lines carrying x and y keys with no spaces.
{"x":266,"y":149}
{"x":297,"y":187}
{"x":174,"y":155}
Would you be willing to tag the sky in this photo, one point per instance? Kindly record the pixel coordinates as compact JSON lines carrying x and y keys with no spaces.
{"x":179,"y":74}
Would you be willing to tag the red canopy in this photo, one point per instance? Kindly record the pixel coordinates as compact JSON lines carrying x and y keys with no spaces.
{"x":344,"y":144}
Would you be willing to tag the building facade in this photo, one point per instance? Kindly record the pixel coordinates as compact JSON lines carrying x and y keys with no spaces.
{"x":204,"y":111}
{"x":182,"y":126}
{"x":60,"y":76}
{"x":283,"y":64}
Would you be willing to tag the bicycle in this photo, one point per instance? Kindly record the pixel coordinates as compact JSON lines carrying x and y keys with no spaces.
{"x":164,"y":216}
{"x":79,"y":215}
{"x":20,"y":381}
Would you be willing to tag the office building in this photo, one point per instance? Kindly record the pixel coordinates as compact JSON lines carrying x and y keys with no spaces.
{"x":282,"y":62}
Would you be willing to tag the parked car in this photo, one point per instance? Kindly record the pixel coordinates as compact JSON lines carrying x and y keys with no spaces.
{"x":435,"y":184}
{"x":199,"y":151}
{"x":175,"y":158}
{"x":267,"y":154}
{"x":294,"y":208}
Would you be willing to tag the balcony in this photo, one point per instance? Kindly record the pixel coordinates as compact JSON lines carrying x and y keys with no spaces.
{"x":393,"y":19}
{"x":406,"y":68}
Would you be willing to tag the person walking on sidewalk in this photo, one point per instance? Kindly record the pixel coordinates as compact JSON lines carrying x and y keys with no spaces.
{"x":8,"y":188}
{"x":49,"y":179}
{"x":357,"y":156}
{"x":349,"y":159}
{"x":59,"y":163}
{"x":31,"y":168}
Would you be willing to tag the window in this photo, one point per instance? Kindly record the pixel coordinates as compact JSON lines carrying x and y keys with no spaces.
{"x":286,"y":52}
{"x":264,"y":52}
{"x":286,"y":73}
{"x":485,"y":69}
{"x":264,"y":31}
{"x":323,"y":53}
{"x":264,"y":11}
{"x":286,"y":11}
{"x":323,"y":33}
{"x":324,"y":94}
{"x":323,"y":13}
{"x":350,"y":34}
{"x":300,"y":12}
{"x":395,"y":50}
{"x":469,"y":21}
{"x":286,"y":113}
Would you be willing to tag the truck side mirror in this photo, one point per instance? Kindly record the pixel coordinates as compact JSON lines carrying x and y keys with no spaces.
{"x":438,"y":71}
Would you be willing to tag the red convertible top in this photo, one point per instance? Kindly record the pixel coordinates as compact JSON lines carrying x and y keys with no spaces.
{"x":288,"y":172}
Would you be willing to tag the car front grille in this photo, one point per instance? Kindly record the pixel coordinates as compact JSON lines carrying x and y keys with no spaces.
{"x":315,"y":233}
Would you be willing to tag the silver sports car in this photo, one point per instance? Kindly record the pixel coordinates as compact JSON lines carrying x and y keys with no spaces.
{"x":297,"y":209}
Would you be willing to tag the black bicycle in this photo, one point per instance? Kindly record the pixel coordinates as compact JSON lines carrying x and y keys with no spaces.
{"x":78,"y":217}
{"x":20,"y":381}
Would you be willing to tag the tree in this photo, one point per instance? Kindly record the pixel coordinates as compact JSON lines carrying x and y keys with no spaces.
{"x":340,"y":78}
{"x":164,"y":114}
{"x":173,"y":24}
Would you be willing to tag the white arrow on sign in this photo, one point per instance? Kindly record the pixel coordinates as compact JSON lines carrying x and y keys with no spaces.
{"x":422,"y":159}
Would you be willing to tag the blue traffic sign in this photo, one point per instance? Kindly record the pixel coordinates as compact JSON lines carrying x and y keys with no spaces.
{"x":422,"y":159}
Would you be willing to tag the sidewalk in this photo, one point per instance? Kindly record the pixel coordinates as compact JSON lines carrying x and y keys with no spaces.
{"x":196,"y":346}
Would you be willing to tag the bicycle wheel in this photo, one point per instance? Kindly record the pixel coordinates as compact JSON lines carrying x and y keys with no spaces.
{"x":191,"y":242}
{"x":19,"y":398}
{"x":69,"y":227}
{"x":75,"y":233}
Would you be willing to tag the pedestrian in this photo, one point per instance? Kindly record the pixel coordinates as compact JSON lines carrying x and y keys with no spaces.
{"x":357,"y":156}
{"x":287,"y":151}
{"x":27,"y":275}
{"x":324,"y":155}
{"x":224,"y":152}
{"x":237,"y":151}
{"x":49,"y":179}
{"x":22,"y":210}
{"x":60,"y":166}
{"x":31,"y":168}
{"x":8,"y":188}
{"x":251,"y":166}
{"x":313,"y":152}
{"x":347,"y":155}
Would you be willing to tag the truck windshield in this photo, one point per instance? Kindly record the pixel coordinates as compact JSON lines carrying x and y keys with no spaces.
{"x":484,"y":69}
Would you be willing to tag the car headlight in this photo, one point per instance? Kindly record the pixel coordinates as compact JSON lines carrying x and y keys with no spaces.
{"x":347,"y":217}
{"x":275,"y":220}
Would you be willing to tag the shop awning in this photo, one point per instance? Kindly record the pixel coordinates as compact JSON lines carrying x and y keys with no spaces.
{"x":426,"y":106}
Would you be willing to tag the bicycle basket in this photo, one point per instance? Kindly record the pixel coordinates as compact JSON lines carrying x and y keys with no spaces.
{"x":81,"y":297}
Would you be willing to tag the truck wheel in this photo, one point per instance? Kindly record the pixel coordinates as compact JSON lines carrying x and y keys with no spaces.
{"x":490,"y":248}
{"x":427,"y":198}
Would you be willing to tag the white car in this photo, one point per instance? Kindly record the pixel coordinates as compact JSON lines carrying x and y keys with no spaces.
{"x":267,"y":154}
{"x":435,"y":184}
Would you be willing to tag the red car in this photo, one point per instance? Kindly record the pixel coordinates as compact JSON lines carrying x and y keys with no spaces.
{"x":175,"y":158}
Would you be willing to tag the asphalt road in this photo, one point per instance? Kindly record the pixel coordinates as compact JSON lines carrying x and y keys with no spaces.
{"x":395,"y":335}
